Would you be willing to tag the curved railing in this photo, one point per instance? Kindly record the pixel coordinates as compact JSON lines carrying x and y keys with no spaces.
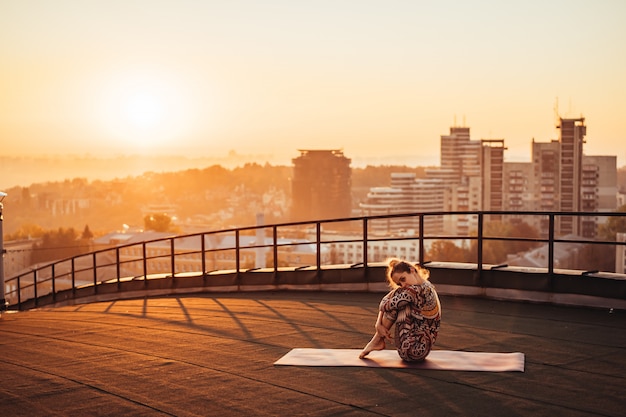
{"x":311,"y":245}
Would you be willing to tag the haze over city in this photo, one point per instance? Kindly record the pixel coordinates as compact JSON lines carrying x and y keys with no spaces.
{"x":379,"y":80}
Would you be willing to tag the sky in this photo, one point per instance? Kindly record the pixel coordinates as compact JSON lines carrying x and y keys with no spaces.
{"x":381,"y":80}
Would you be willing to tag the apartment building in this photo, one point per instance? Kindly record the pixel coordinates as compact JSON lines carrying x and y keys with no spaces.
{"x":599,"y":190}
{"x":406,"y":194}
{"x":492,"y":173}
{"x":564,"y":179}
{"x":571,"y":141}
{"x":474,"y":176}
{"x":347,"y":252}
{"x":517,"y":189}
{"x":321,"y":185}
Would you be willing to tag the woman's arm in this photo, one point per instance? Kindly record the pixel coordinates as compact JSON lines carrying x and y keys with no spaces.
{"x":383,"y":324}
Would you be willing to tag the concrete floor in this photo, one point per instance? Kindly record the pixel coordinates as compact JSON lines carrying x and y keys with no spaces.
{"x":213,"y":355}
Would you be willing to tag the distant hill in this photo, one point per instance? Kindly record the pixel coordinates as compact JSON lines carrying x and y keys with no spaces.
{"x":210,"y":197}
{"x":107,"y":194}
{"x":24,"y":171}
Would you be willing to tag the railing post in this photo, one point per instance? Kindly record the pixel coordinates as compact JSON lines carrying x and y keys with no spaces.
{"x":145,"y":263}
{"x":365,"y":239}
{"x":172,"y":258}
{"x":237,"y":263}
{"x":318,"y":246}
{"x":73,"y":271}
{"x":202,"y":254}
{"x":479,"y":250}
{"x":35,"y":287}
{"x":95,"y":272}
{"x":274,"y":249}
{"x":551,"y":246}
{"x":421,"y":241}
{"x":19,"y":292}
{"x":54,"y":291}
{"x":366,"y":270}
{"x":118,"y":271}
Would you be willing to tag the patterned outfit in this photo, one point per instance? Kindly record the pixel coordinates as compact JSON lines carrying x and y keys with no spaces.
{"x":416,"y":312}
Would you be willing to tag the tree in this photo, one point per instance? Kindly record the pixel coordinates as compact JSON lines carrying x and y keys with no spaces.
{"x":592,"y":258}
{"x":614,"y":225}
{"x":159,"y":222}
{"x":26,"y":231}
{"x":87,"y":235}
{"x":496,"y":251}
{"x":62,"y":243}
{"x":447,"y":251}
{"x":603,"y":257}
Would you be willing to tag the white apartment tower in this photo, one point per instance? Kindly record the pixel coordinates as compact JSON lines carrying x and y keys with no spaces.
{"x":406,"y":195}
{"x":460,"y":173}
{"x":458,"y":152}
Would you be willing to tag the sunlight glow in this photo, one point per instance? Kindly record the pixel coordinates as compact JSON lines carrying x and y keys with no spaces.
{"x":145,"y":111}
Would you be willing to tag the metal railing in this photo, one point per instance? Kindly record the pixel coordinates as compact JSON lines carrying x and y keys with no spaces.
{"x":311,"y":244}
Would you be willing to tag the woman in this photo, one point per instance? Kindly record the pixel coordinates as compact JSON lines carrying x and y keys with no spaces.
{"x":413,"y":306}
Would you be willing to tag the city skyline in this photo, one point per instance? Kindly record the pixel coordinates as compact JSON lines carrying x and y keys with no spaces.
{"x":380,"y":82}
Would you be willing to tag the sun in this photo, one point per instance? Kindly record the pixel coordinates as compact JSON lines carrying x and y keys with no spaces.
{"x":144,"y":111}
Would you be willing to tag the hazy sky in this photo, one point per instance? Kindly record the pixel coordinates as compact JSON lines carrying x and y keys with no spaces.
{"x":378,"y":79}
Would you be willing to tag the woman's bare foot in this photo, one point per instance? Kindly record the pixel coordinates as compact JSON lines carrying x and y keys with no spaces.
{"x":377,"y":343}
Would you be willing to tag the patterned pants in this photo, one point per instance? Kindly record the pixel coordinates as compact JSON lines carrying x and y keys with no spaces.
{"x":412,"y":346}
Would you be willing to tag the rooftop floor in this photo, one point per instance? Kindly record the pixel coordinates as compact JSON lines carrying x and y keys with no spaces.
{"x":213,"y":354}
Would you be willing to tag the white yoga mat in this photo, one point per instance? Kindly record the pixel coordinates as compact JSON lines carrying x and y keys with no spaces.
{"x":450,"y":360}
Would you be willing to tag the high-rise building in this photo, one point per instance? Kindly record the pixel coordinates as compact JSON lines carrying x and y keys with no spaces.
{"x":571,"y":141}
{"x":460,"y":175}
{"x":321,"y":185}
{"x":517,"y":189}
{"x":545,"y":179}
{"x":598,"y":191}
{"x":546,"y":182}
{"x":474,"y":177}
{"x":492,"y":174}
{"x":470,"y":179}
{"x":458,"y":152}
{"x":566,"y":180}
{"x":560,"y":178}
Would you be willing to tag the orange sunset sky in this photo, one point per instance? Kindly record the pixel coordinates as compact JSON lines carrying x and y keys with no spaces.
{"x":381,"y":80}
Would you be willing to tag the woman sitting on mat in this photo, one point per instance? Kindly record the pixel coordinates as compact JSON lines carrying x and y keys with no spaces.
{"x":413,"y":306}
